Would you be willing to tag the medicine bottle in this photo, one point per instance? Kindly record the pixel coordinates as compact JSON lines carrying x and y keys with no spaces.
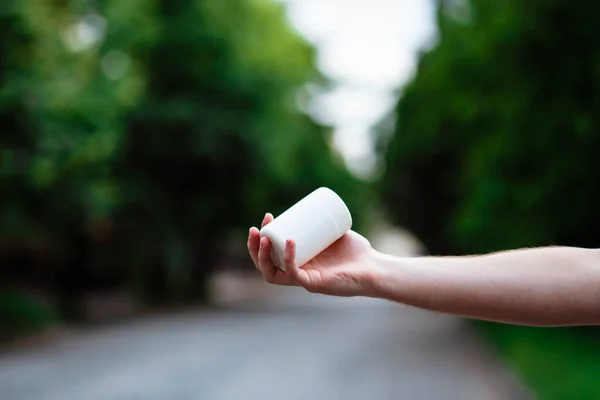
{"x":314,"y":223}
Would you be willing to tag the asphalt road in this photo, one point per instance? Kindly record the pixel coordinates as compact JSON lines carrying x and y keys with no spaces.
{"x":283,"y":344}
{"x":290,"y":345}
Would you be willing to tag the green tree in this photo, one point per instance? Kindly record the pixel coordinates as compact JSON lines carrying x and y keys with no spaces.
{"x":67,"y":109}
{"x":138,"y":136}
{"x":495,"y":147}
{"x":496,"y":136}
{"x":218,"y":137}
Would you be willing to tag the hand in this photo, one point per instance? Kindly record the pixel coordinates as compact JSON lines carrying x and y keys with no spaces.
{"x":346,"y":268}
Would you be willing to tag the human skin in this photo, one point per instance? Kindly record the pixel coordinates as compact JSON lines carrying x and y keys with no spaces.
{"x":547,"y":286}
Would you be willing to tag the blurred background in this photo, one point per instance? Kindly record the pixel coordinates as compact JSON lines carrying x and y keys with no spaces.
{"x":140,"y":140}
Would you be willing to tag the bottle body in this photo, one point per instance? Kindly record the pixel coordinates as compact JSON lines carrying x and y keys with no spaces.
{"x":314,"y":223}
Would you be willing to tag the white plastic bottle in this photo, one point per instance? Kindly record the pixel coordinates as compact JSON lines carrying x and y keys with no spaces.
{"x":314,"y":223}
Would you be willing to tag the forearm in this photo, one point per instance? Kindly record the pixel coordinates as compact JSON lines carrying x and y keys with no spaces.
{"x":545,"y":286}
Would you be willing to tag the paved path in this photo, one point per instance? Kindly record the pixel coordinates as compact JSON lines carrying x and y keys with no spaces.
{"x":291,"y":346}
{"x":287,"y":345}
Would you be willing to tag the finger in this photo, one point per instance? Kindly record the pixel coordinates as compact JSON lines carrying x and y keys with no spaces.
{"x":281,"y":278}
{"x":253,"y":245}
{"x":291,"y":267}
{"x":264,"y":260}
{"x":268,"y":219}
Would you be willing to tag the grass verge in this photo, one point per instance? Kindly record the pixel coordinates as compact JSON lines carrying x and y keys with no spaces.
{"x":556,"y":363}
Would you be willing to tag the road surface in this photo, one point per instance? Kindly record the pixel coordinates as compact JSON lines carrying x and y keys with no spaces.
{"x":283,"y":344}
{"x":287,"y":346}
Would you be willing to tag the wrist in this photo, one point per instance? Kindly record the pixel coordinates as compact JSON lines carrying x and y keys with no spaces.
{"x":386,"y":268}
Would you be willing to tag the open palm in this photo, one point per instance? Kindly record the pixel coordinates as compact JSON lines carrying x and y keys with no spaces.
{"x":345,"y":268}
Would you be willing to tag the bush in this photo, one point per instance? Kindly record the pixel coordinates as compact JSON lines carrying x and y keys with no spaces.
{"x":20,"y":314}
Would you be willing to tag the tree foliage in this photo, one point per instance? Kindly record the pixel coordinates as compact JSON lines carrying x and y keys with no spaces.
{"x":496,"y":137}
{"x":139,"y":135}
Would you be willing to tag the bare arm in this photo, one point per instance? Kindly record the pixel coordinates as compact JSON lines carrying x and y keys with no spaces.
{"x":551,"y":286}
{"x":554,"y":286}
